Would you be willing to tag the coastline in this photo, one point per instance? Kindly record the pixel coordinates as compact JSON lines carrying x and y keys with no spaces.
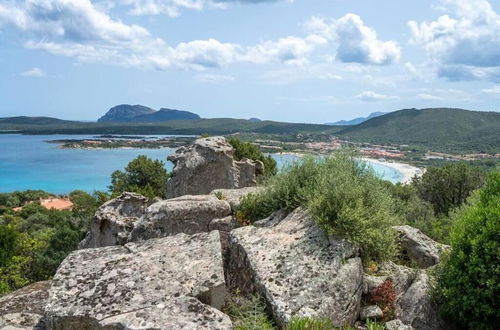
{"x":408,"y":171}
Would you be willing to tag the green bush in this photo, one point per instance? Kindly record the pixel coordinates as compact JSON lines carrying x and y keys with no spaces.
{"x":448,"y":186}
{"x":143,"y":176}
{"x":344,"y":197}
{"x":307,"y":323}
{"x":251,"y":151}
{"x":248,"y":313}
{"x":468,"y":279}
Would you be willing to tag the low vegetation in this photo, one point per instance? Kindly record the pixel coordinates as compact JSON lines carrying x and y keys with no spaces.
{"x":343,"y":195}
{"x":251,"y":151}
{"x":248,"y":313}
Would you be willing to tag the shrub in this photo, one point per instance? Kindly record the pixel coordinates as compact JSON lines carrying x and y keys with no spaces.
{"x":248,"y":313}
{"x":143,"y":176}
{"x":448,"y":186}
{"x":307,"y":323}
{"x":384,"y":297}
{"x":251,"y":151}
{"x":468,"y":279}
{"x":373,"y":325}
{"x":344,"y":197}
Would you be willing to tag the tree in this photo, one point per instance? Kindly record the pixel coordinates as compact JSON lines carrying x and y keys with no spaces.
{"x":251,"y":151}
{"x":468,"y":279}
{"x":142,"y":175}
{"x":448,"y":186}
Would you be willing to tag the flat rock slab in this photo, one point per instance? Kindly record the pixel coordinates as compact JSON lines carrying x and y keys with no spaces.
{"x":23,"y":309}
{"x":234,"y":196}
{"x":173,"y":282}
{"x":187,"y":214}
{"x":298,"y":270}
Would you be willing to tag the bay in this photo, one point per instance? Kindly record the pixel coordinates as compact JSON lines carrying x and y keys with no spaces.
{"x":29,"y":162}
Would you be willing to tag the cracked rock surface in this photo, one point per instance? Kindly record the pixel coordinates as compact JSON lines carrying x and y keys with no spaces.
{"x":298,"y":270}
{"x":173,"y":282}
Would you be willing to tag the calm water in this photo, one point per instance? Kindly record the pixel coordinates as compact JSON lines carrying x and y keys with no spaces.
{"x":28,"y":162}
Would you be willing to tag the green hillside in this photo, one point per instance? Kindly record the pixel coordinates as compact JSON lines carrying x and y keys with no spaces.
{"x":440,"y":129}
{"x":24,"y":120}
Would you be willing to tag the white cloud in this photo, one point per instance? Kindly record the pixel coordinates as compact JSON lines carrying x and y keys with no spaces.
{"x":428,"y":97}
{"x":493,"y":90}
{"x":356,"y":42}
{"x":466,"y":46}
{"x":214,"y":78}
{"x":35,"y":72}
{"x":370,"y":96}
{"x":201,"y":54}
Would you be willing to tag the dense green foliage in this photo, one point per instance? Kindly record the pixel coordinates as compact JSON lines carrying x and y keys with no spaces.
{"x":306,"y":323}
{"x":19,"y":198}
{"x":251,"y":151}
{"x":343,"y":195}
{"x":446,"y":130}
{"x":468,"y":285}
{"x":142,"y":175}
{"x":448,"y":186}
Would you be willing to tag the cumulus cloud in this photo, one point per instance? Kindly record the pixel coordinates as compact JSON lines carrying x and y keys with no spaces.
{"x":35,"y":72}
{"x":466,"y":45}
{"x":370,"y":96}
{"x":356,"y":42}
{"x":428,"y":97}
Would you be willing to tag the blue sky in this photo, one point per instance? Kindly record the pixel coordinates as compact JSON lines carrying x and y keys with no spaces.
{"x":300,"y":61}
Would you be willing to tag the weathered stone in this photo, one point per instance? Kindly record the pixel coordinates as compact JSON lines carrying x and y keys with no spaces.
{"x":173,"y":282}
{"x":23,"y":309}
{"x":224,"y":224}
{"x":397,"y":325}
{"x":186,"y":214}
{"x":371,"y":312}
{"x":271,"y":220}
{"x":206,"y":165}
{"x":234,"y":196}
{"x":416,"y":307}
{"x":114,"y":220}
{"x":297,"y":269}
{"x":371,"y":282}
{"x":401,"y":276}
{"x":417,"y":248}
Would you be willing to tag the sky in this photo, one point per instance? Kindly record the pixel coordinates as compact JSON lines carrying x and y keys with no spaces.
{"x":311,"y":61}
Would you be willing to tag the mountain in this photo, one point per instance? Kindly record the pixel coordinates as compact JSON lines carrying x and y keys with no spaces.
{"x":126,"y":113}
{"x":358,"y":120}
{"x":24,"y":120}
{"x":440,"y":129}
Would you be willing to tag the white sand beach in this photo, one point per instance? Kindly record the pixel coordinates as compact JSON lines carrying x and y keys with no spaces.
{"x":407,"y":170}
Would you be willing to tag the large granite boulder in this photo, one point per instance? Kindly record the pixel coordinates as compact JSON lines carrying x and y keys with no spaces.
{"x":234,"y":196}
{"x":186,"y":214}
{"x":23,"y":309}
{"x":175,"y":282}
{"x":208,"y":164}
{"x":417,"y":248}
{"x":298,"y":269}
{"x":114,"y":220}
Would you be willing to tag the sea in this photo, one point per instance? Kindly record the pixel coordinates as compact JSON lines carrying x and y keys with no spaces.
{"x":30,"y":162}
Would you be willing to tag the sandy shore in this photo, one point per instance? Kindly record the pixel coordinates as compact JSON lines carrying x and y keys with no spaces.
{"x":407,"y":170}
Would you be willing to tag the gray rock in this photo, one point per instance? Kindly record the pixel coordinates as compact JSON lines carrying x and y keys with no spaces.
{"x":371,"y":282}
{"x":224,"y":224}
{"x":23,"y":309}
{"x":417,"y":248}
{"x":271,"y":220}
{"x":186,"y":214}
{"x":416,"y":307}
{"x":297,"y":269}
{"x":234,"y":196}
{"x":397,"y":325}
{"x":371,"y":312}
{"x":207,"y":165}
{"x":175,"y":282}
{"x":114,"y":220}
{"x":401,"y":276}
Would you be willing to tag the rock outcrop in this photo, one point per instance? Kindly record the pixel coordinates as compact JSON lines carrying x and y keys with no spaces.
{"x":175,"y":282}
{"x":417,"y":248}
{"x":114,"y":220}
{"x":207,"y":165}
{"x":23,"y":309}
{"x":234,"y":196}
{"x":297,"y":269}
{"x":186,"y":214}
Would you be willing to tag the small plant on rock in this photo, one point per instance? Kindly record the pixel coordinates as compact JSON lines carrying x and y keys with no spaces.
{"x":307,"y":323}
{"x":384,"y":297}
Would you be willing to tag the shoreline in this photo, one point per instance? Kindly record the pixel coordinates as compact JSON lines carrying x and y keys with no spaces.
{"x":408,"y":171}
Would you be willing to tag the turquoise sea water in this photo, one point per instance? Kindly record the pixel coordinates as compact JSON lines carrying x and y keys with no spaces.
{"x":28,"y":162}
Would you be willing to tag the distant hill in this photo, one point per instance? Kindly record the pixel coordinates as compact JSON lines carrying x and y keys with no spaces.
{"x":445,"y":129}
{"x":358,"y":120}
{"x":126,"y":113}
{"x":255,"y":120}
{"x":24,"y":120}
